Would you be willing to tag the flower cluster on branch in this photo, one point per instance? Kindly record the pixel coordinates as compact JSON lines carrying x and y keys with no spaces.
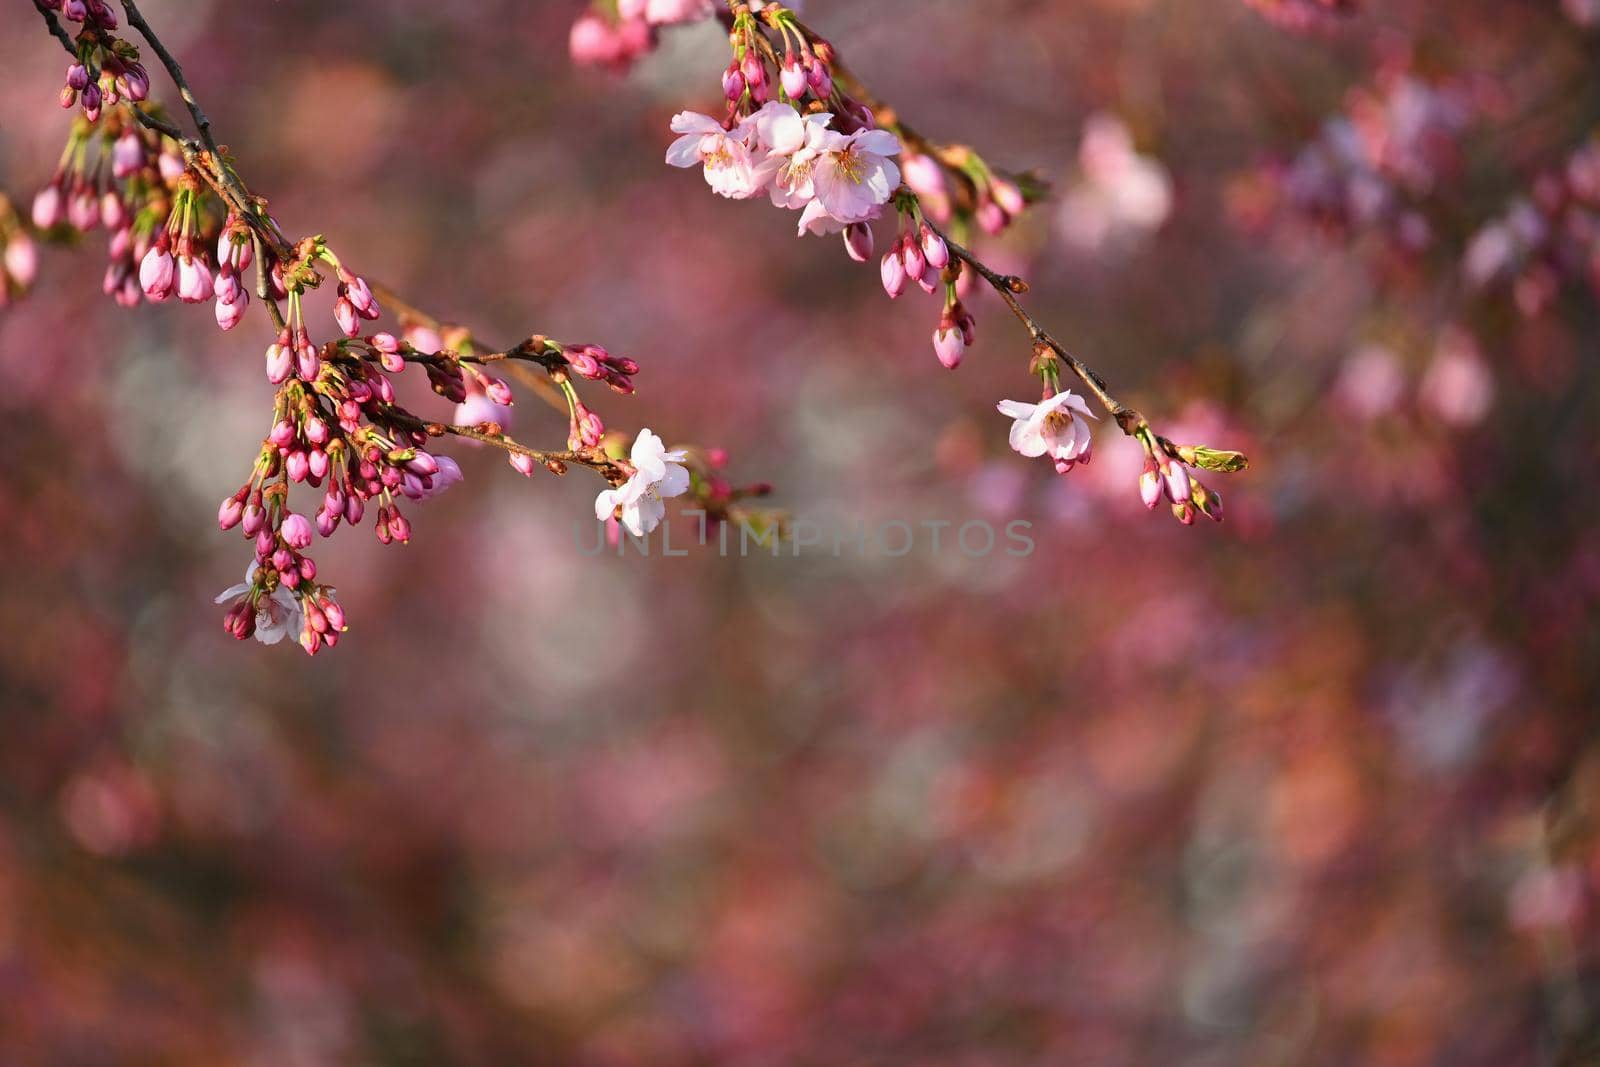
{"x":183,"y":224}
{"x":797,"y":128}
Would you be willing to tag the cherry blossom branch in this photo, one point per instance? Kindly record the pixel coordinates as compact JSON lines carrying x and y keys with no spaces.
{"x":803,"y":130}
{"x":1009,"y":286}
{"x":336,"y":421}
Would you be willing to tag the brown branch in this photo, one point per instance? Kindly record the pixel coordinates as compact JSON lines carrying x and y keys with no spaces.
{"x":56,"y":30}
{"x":1009,"y":286}
{"x":538,"y":383}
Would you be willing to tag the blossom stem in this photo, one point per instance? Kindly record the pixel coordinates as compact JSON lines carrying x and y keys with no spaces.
{"x":1009,"y":286}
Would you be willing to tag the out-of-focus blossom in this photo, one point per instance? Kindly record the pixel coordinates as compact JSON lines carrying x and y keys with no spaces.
{"x":1121,"y":196}
{"x":1583,"y":12}
{"x":1371,"y":382}
{"x":1457,"y":387}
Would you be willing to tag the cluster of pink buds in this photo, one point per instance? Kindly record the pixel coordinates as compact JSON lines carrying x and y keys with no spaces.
{"x":614,"y":39}
{"x":280,"y":596}
{"x":919,"y":254}
{"x":337,"y":429}
{"x":106,"y":70}
{"x":355,"y":302}
{"x":235,"y":253}
{"x":176,"y":263}
{"x":1169,"y":474}
{"x":123,"y":177}
{"x":597,"y":365}
{"x":19,"y":256}
{"x":794,"y":134}
{"x":960,"y":188}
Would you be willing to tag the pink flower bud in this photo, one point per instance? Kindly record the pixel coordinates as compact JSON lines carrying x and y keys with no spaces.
{"x":296,"y":531}
{"x":83,"y":209}
{"x":593,"y":42}
{"x":255,"y":517}
{"x":156,"y":273}
{"x":127,"y":154}
{"x":230,"y":513}
{"x":317,"y":463}
{"x":135,"y":82}
{"x":794,"y":78}
{"x":858,"y":241}
{"x":911,"y":256}
{"x":171,"y":166}
{"x":992,"y":218}
{"x":194,"y":280}
{"x":448,"y":474}
{"x":521,"y":464}
{"x":949,"y":345}
{"x":279,"y":361}
{"x":308,"y":362}
{"x":934,"y":250}
{"x":22,"y":260}
{"x":1150,"y":485}
{"x":424,"y":339}
{"x":1177,"y":482}
{"x":385,"y":343}
{"x":498,"y":392}
{"x":821,"y":80}
{"x":359,"y":293}
{"x":894,"y":274}
{"x":113,"y":212}
{"x":77,"y":77}
{"x":754,"y":69}
{"x":229,"y":315}
{"x":240,"y":620}
{"x":584,"y":365}
{"x":344,"y":313}
{"x":297,"y":465}
{"x":423,"y":463}
{"x":392,"y":362}
{"x":1008,"y":196}
{"x":226,"y":288}
{"x":49,"y":207}
{"x":732,"y":83}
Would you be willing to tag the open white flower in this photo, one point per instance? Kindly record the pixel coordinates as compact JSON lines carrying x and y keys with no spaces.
{"x":854,"y":175}
{"x":790,"y":144}
{"x":657,"y":476}
{"x":729,"y":165}
{"x":278,"y":614}
{"x":1053,"y":427}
